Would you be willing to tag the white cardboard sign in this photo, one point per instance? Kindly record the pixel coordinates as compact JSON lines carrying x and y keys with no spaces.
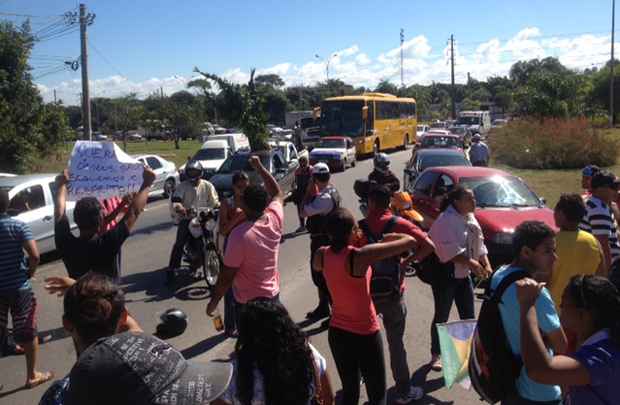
{"x":102,"y":170}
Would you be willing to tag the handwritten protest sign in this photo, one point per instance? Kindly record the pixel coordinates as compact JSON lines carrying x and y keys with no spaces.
{"x":102,"y":170}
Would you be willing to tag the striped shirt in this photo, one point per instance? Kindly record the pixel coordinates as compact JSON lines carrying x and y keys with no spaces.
{"x":13,"y":266}
{"x":600,"y":221}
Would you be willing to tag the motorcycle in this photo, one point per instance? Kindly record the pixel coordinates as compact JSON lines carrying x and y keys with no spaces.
{"x":200,"y":252}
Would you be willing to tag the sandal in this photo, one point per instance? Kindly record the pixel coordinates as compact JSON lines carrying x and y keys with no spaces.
{"x":40,"y":378}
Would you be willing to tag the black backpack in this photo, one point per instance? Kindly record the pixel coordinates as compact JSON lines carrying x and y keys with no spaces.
{"x":493,"y":368}
{"x":386,"y":274}
{"x":433,"y":272}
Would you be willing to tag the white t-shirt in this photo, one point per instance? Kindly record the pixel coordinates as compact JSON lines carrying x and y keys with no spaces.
{"x":230,"y":396}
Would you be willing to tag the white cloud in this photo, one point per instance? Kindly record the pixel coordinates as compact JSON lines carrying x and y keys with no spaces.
{"x":422,"y":64}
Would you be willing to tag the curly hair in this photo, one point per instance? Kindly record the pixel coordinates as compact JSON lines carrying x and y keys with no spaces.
{"x":270,"y":341}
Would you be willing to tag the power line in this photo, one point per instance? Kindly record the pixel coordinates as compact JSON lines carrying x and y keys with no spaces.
{"x":106,"y":60}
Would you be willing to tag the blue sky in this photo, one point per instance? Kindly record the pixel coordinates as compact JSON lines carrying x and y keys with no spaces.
{"x":150,"y":43}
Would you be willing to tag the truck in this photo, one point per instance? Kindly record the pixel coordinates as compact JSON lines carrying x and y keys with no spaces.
{"x":291,"y":117}
{"x":477,"y":122}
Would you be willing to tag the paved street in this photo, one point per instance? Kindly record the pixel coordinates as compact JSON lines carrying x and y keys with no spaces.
{"x":145,"y":255}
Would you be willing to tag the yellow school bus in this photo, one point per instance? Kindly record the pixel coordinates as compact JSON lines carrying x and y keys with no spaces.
{"x":375,"y":121}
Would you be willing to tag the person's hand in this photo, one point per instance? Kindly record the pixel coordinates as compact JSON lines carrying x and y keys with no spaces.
{"x":58,"y":285}
{"x":211,"y":307}
{"x":528,"y":291}
{"x":476,"y":268}
{"x":255,"y":162}
{"x":127,"y":200}
{"x":148,"y":176}
{"x":63,"y":178}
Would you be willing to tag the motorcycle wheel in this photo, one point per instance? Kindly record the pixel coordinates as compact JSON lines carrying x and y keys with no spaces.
{"x":211,"y":265}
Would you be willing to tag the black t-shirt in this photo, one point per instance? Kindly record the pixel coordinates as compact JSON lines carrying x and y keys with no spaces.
{"x":99,"y":254}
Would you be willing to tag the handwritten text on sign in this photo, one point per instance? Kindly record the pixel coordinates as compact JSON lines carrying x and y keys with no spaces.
{"x":102,"y":170}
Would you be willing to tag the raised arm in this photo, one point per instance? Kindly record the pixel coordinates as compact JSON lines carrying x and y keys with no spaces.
{"x":393,"y":244}
{"x":60,"y":202}
{"x":271,"y":185}
{"x":139,"y":201}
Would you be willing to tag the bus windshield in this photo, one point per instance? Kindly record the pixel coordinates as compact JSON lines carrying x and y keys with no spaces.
{"x":468,"y":120}
{"x":342,"y":118}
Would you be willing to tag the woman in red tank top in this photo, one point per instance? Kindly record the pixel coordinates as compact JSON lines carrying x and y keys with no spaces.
{"x":354,"y":335}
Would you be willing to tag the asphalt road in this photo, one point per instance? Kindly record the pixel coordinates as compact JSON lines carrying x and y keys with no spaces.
{"x":145,"y":256}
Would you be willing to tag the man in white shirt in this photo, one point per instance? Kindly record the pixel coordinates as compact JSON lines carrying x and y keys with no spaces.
{"x":193,"y":193}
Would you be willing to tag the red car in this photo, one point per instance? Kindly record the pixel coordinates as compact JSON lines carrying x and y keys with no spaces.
{"x":503,"y":201}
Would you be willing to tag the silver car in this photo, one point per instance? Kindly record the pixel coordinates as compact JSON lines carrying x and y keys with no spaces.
{"x":32,"y":201}
{"x":167,"y":176}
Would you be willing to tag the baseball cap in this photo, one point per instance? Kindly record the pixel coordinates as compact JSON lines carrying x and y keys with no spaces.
{"x":139,"y":369}
{"x":590,"y":170}
{"x":604,"y":179}
{"x":320,"y":168}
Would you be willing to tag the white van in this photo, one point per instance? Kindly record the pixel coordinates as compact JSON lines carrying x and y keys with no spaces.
{"x":236,"y":142}
{"x":477,"y":122}
{"x":211,"y":156}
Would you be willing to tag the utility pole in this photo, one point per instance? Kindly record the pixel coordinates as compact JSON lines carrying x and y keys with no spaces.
{"x":85,"y":20}
{"x":452,"y":75}
{"x":611,"y":68}
{"x":55,"y":96}
{"x":402,"y":41}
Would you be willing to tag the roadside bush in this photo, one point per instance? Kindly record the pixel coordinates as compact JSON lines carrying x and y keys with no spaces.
{"x":553,"y":143}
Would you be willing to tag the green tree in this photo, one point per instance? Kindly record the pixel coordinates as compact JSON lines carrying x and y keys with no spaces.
{"x":229,"y":101}
{"x":253,"y":118}
{"x":272,"y":80}
{"x":385,"y":86}
{"x":29,"y":129}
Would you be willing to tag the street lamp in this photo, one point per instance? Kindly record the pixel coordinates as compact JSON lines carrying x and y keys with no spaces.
{"x":327,"y":61}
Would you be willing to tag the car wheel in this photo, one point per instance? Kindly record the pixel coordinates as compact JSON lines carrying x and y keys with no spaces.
{"x":169,"y":186}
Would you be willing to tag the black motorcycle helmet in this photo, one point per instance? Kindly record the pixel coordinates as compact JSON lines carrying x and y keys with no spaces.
{"x":173,"y":323}
{"x":193,"y":170}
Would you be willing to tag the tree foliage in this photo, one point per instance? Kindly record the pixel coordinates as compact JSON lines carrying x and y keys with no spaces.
{"x":29,"y":129}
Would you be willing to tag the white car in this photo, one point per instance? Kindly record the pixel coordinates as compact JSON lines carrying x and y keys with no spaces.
{"x":167,"y":176}
{"x":337,"y":152}
{"x":420,"y":130}
{"x":211,"y":156}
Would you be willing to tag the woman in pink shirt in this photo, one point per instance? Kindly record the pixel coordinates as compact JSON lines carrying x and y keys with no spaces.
{"x":354,"y":335}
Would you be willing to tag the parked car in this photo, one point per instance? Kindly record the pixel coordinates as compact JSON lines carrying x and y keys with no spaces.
{"x":6,"y":175}
{"x":337,"y":151}
{"x":135,"y":137}
{"x":32,"y":201}
{"x":272,"y":160}
{"x":422,"y":159}
{"x":503,"y":201}
{"x":436,"y":140}
{"x":420,"y":130}
{"x":211,"y":156}
{"x":439,"y":125}
{"x":166,"y":174}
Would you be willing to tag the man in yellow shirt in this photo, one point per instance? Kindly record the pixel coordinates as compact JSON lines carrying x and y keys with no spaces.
{"x":578,"y":251}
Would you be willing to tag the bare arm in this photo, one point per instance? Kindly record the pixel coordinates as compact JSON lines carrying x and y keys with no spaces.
{"x":271,"y":185}
{"x":139,"y":201}
{"x":60,"y":202}
{"x":224,"y":282}
{"x":604,"y":242}
{"x":327,"y":391}
{"x":392,"y":245}
{"x":30,"y":246}
{"x":540,"y":366}
{"x":602,"y":270}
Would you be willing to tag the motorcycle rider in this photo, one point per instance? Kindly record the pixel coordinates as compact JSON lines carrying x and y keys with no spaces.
{"x":193,"y":193}
{"x":382,"y":173}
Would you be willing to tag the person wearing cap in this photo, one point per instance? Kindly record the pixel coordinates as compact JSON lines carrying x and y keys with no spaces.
{"x":193,"y":193}
{"x":479,"y":152}
{"x":393,"y":309}
{"x":251,"y":257}
{"x":320,"y":200}
{"x":586,"y":178}
{"x":93,"y":308}
{"x":134,"y":368}
{"x":599,"y":219}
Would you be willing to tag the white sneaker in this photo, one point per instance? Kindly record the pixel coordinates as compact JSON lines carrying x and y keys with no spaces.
{"x":414,"y":394}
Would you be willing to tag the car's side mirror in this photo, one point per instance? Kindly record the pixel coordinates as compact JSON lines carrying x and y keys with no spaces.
{"x":543,"y":200}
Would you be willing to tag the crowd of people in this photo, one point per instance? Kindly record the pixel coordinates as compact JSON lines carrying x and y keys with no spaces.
{"x":560,"y":315}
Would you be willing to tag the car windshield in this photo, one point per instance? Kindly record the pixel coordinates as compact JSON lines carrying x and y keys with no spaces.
{"x":440,"y":141}
{"x":332,"y":143}
{"x":342,"y":118}
{"x":438,"y":125}
{"x":442,"y":160}
{"x":468,"y":121}
{"x":500,"y":191}
{"x":420,"y":128}
{"x":458,"y":130}
{"x":210,"y":154}
{"x":239,"y":162}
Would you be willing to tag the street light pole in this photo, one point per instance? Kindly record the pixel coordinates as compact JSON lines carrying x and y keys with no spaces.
{"x":611,"y":67}
{"x":327,"y":61}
